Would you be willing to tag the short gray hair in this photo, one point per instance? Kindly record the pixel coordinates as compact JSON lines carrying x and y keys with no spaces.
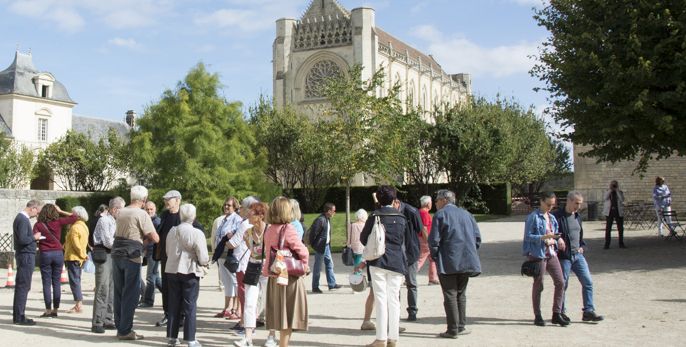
{"x":446,"y":194}
{"x":361,"y":215}
{"x":34,"y":203}
{"x":295,"y":206}
{"x":574,"y":194}
{"x":138,"y":193}
{"x":249,"y":200}
{"x":117,"y":202}
{"x":187,"y":213}
{"x":81,"y":212}
{"x":425,"y":200}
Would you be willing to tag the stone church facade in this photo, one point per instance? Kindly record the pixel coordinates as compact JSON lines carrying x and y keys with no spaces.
{"x":328,"y":40}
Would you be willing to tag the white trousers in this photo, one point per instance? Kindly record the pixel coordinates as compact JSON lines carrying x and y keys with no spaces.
{"x":386,"y":286}
{"x":253,"y":296}
{"x":228,"y":279}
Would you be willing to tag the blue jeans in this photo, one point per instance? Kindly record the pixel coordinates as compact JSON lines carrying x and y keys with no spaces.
{"x":126,"y":275}
{"x":579,"y":265}
{"x":51,"y":263}
{"x":328,"y":262}
{"x":152,"y":280}
{"x":74,"y":272}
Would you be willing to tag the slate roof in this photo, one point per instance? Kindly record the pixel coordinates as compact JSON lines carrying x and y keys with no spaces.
{"x":18,"y":78}
{"x":400,"y":46}
{"x":97,"y":128}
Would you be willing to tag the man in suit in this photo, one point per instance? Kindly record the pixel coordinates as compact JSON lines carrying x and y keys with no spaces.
{"x":25,"y":255}
{"x":320,"y":240}
{"x":454,"y":241}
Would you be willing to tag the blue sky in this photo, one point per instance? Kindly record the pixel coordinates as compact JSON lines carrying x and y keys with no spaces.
{"x":115,"y":55}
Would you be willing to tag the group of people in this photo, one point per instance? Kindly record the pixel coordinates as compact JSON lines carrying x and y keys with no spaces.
{"x":260,"y":290}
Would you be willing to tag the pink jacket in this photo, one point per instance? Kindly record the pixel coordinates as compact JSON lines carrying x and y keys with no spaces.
{"x":291,"y":241}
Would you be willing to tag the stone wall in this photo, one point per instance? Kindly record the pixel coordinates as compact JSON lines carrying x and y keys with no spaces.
{"x":13,"y":201}
{"x":594,"y":179}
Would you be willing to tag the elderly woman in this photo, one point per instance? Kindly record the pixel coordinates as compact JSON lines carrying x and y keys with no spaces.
{"x":186,"y":255}
{"x":388,"y":271}
{"x":354,"y":236}
{"x":223,"y":229}
{"x":286,"y":304}
{"x":295,"y":205}
{"x":50,"y":224}
{"x":75,"y":255}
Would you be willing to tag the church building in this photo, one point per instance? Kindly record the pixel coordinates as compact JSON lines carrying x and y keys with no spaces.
{"x":328,"y":40}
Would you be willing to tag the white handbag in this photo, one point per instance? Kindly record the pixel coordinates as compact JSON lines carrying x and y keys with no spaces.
{"x":376,"y":243}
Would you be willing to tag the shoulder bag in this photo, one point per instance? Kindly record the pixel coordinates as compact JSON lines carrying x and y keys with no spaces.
{"x":254,"y":269}
{"x":376,"y":242}
{"x":293,"y":264}
{"x":531,"y":268}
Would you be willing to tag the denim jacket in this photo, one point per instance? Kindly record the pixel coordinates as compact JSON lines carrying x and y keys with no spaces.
{"x":534,"y":229}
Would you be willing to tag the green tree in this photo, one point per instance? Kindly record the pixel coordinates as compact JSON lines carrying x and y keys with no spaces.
{"x":76,"y":162}
{"x":616,"y":75}
{"x":366,"y":133}
{"x":195,"y":141}
{"x":423,"y":165}
{"x":16,"y":164}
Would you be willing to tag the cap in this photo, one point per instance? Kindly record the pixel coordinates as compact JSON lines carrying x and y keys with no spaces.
{"x":172,"y":194}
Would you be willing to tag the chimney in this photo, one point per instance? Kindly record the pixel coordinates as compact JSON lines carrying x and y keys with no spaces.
{"x":131,"y":118}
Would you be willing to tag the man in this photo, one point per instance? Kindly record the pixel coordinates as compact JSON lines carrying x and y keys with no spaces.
{"x":424,"y":253}
{"x":413,"y":226}
{"x":152,"y":276}
{"x":25,"y":256}
{"x":103,"y":238}
{"x":572,"y":255}
{"x":134,"y":231}
{"x":454,"y":242}
{"x":169,"y":219}
{"x":320,"y":240}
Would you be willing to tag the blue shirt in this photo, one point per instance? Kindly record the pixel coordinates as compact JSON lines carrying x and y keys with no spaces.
{"x":534,"y":229}
{"x":229,"y":225}
{"x":298,"y":228}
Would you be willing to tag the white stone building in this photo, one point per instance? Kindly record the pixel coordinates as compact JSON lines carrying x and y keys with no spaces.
{"x":329,"y":39}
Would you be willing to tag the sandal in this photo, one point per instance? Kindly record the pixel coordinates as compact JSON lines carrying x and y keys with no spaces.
{"x":222,"y":314}
{"x":75,"y":309}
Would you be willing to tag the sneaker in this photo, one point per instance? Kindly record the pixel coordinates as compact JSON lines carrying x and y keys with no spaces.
{"x":591,"y":316}
{"x":130,"y":336}
{"x":172,"y":342}
{"x":240,"y":332}
{"x":162,"y":322}
{"x":242,"y":343}
{"x":368,"y":325}
{"x":271,"y":342}
{"x":463,"y":331}
{"x":447,"y":335}
{"x":98,"y":329}
{"x":194,"y":343}
{"x":338,"y":286}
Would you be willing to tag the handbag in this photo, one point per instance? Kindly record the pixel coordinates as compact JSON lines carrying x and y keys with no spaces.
{"x":531,"y":268}
{"x":294,"y":266}
{"x":347,"y":256}
{"x":376,"y":242}
{"x":99,"y":255}
{"x":254,"y":270}
{"x":231,"y":263}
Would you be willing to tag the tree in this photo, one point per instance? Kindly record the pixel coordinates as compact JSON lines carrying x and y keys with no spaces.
{"x":16,"y":164}
{"x":616,"y":74}
{"x":366,"y":133}
{"x":294,"y":156}
{"x":195,"y":141}
{"x":423,"y":165}
{"x":75,"y":162}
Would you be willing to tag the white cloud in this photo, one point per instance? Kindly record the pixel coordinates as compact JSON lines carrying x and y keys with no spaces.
{"x":121,"y":42}
{"x":248,"y":16}
{"x":458,"y":53}
{"x":531,"y":3}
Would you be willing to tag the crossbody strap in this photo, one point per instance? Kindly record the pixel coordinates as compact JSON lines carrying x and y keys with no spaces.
{"x":52,"y":235}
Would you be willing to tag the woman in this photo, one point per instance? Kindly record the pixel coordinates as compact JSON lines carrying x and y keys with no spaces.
{"x":297,"y":215}
{"x":75,"y":254}
{"x":541,"y":239}
{"x":186,"y":255}
{"x":354,"y":236}
{"x":286,"y":304}
{"x":223,"y":229}
{"x":252,"y":241}
{"x":388,"y":271}
{"x":613,"y":209}
{"x":662,"y":198}
{"x":49,"y":224}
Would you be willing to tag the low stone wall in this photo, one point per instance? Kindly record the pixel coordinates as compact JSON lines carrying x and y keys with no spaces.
{"x":12,"y":201}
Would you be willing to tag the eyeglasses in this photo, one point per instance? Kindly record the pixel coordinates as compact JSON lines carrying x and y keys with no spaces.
{"x":228,"y":205}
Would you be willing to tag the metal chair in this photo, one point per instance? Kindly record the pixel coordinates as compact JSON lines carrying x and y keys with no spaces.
{"x":671,"y":222}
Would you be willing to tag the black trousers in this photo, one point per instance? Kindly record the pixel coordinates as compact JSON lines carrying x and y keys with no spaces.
{"x":25,"y":264}
{"x":614,"y":216}
{"x":454,"y":300}
{"x":182,"y":292}
{"x":165,"y":287}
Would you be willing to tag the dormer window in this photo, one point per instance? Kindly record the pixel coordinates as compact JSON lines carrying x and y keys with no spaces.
{"x":44,"y":83}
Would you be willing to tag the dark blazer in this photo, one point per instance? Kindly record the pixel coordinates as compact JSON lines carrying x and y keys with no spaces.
{"x":454,"y":241}
{"x":561,"y":216}
{"x":23,"y":235}
{"x":397,"y":236}
{"x":317,"y":234}
{"x":414,"y":224}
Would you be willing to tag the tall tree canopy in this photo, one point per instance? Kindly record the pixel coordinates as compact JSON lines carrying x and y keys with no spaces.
{"x":195,"y":141}
{"x":616,"y":74}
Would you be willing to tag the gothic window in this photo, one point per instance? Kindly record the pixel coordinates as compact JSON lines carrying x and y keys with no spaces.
{"x":318,"y":76}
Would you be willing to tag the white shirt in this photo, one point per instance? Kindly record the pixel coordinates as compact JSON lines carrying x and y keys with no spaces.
{"x":104,"y":231}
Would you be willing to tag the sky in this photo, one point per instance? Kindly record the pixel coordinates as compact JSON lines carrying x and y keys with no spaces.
{"x":117,"y":55}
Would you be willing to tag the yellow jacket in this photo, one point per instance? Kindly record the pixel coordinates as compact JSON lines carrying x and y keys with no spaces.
{"x":77,"y":242}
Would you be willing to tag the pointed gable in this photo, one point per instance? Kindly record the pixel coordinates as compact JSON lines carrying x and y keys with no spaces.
{"x":325,"y":9}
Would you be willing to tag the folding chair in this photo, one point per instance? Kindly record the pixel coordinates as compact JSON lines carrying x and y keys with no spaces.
{"x":671,"y":222}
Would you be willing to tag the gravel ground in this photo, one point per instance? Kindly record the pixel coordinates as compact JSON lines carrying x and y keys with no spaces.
{"x":641,"y":291}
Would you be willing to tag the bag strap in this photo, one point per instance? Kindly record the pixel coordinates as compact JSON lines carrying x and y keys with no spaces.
{"x":281,"y":236}
{"x":49,"y":232}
